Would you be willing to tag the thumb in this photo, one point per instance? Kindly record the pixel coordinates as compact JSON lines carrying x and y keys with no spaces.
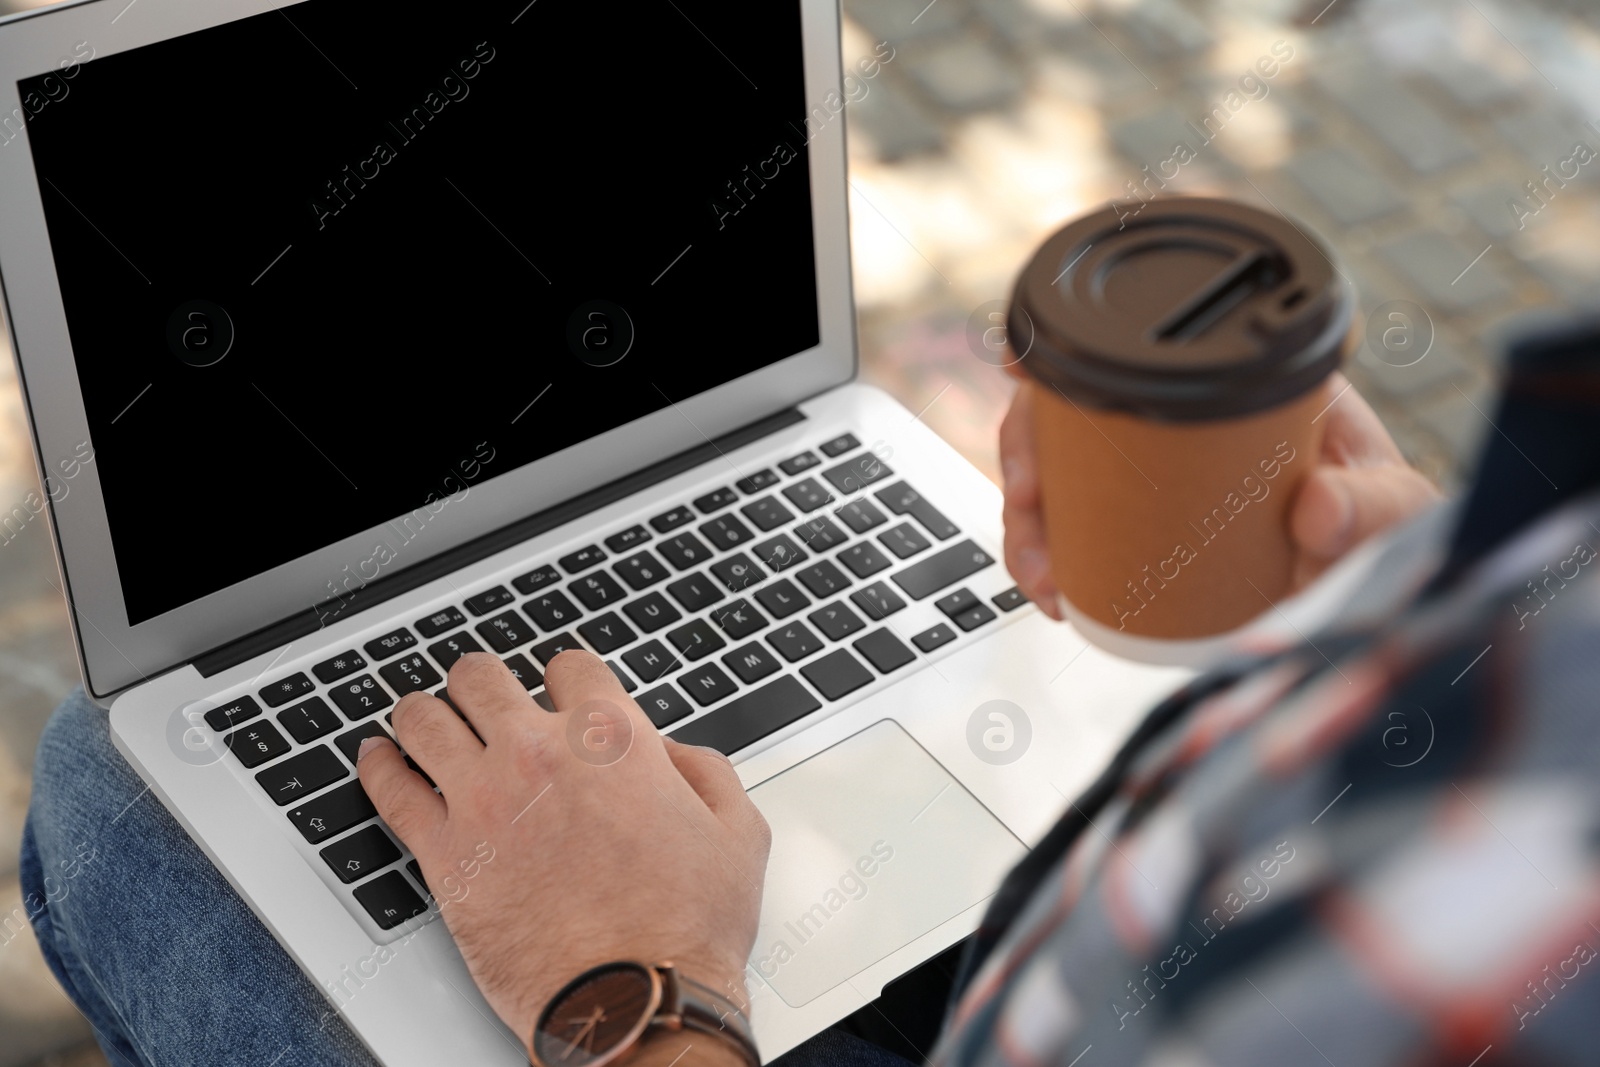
{"x":1339,"y":507}
{"x":708,"y":773}
{"x":714,"y":780}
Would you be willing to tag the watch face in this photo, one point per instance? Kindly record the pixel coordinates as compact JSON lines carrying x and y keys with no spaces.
{"x":604,"y":1009}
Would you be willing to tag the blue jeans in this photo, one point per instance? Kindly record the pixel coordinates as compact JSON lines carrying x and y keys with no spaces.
{"x":162,"y":957}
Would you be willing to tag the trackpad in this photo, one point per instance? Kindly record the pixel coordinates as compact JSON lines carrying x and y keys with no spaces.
{"x":873,"y":845}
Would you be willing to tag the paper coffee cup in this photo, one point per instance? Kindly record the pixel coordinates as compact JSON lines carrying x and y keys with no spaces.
{"x":1180,"y":364}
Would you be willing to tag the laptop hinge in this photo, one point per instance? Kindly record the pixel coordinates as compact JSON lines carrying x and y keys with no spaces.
{"x":379,"y":590}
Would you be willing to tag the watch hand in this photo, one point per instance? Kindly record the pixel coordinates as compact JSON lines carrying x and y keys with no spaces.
{"x":586,"y":1035}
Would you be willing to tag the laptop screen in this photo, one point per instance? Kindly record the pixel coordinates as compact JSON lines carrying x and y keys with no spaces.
{"x":331,"y":265}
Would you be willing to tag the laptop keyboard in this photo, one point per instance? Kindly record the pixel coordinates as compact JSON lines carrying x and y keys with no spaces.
{"x":697,"y":612}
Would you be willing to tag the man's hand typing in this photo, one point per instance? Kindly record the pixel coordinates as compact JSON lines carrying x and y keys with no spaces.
{"x":609,"y":841}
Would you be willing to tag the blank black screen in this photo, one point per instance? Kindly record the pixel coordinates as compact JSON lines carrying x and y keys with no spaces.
{"x":413,"y":221}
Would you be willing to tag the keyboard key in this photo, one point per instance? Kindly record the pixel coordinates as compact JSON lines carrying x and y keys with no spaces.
{"x":349,"y":742}
{"x":293,"y":687}
{"x":533,"y":581}
{"x":542,"y":698}
{"x":836,"y":674}
{"x":489,"y":600}
{"x":651,"y":612}
{"x":857,"y":472}
{"x":782,"y":599}
{"x":389,"y":900}
{"x":746,"y":720}
{"x":877,"y":601}
{"x":598,"y":590}
{"x":901,"y":499}
{"x":628,"y":684}
{"x":761,"y":479}
{"x":737,"y":572}
{"x":696,"y":639}
{"x":632,"y":537}
{"x":860,"y":515}
{"x":607,"y":633}
{"x":409,"y":674}
{"x":390,"y":644}
{"x":664,"y":705}
{"x":360,"y":854}
{"x":333,"y":813}
{"x":794,"y":642}
{"x":446,"y":652}
{"x":934,"y":637}
{"x":549,"y":649}
{"x":803,"y":462}
{"x":976,"y":617}
{"x":807,"y":494}
{"x":767,"y":513}
{"x":360,"y":697}
{"x":331,"y":670}
{"x":505,"y":631}
{"x":442,"y":621}
{"x":685,"y":551}
{"x":955,"y":603}
{"x":309,"y":720}
{"x":779,"y":552}
{"x":836,"y":621}
{"x":651,"y":660}
{"x":884,"y":651}
{"x":232,"y":713}
{"x":945,"y":567}
{"x":738,"y":619}
{"x":820,"y":534}
{"x":255,"y":745}
{"x":725,"y":532}
{"x":524,"y":671}
{"x":823,"y":579}
{"x":671,"y":520}
{"x":904,"y":540}
{"x":839,"y":445}
{"x":296,"y":776}
{"x":551,"y":610}
{"x":864,"y":558}
{"x":707,"y":684}
{"x":641,"y":570}
{"x":751,"y":662}
{"x":582,"y":559}
{"x":716,"y":500}
{"x":695,"y":592}
{"x":1010,"y":600}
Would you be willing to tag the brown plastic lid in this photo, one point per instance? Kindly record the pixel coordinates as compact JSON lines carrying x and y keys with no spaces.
{"x":1195,"y":308}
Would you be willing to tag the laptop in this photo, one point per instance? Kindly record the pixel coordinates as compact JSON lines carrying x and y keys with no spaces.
{"x":363,"y":337}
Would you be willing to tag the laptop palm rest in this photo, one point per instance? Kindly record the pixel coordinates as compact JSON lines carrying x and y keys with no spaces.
{"x":874,"y":844}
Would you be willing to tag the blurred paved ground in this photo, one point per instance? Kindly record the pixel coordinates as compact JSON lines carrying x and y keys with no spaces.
{"x":1401,"y":131}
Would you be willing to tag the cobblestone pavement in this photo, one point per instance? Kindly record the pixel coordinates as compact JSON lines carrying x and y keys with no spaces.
{"x":1402,"y":131}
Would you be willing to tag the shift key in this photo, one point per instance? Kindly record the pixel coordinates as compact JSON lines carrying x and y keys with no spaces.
{"x":333,"y":812}
{"x":946,"y":567}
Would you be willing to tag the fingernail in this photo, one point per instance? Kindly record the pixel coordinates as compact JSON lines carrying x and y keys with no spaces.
{"x":367,"y":745}
{"x":1009,"y":472}
{"x":1033,"y":567}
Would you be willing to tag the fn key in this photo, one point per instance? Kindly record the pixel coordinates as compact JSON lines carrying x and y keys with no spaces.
{"x":389,"y":900}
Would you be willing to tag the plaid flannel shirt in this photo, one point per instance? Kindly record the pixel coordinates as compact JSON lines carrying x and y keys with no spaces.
{"x":1379,"y":847}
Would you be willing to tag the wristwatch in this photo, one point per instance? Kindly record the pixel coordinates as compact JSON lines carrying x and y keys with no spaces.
{"x":602,"y":1016}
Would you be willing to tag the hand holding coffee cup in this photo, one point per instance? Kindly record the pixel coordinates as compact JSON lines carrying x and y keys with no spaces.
{"x":1166,"y":354}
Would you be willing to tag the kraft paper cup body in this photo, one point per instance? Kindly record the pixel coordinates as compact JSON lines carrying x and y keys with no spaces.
{"x":1172,"y":529}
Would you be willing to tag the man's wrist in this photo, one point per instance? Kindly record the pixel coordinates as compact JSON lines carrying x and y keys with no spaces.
{"x":699,"y":1009}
